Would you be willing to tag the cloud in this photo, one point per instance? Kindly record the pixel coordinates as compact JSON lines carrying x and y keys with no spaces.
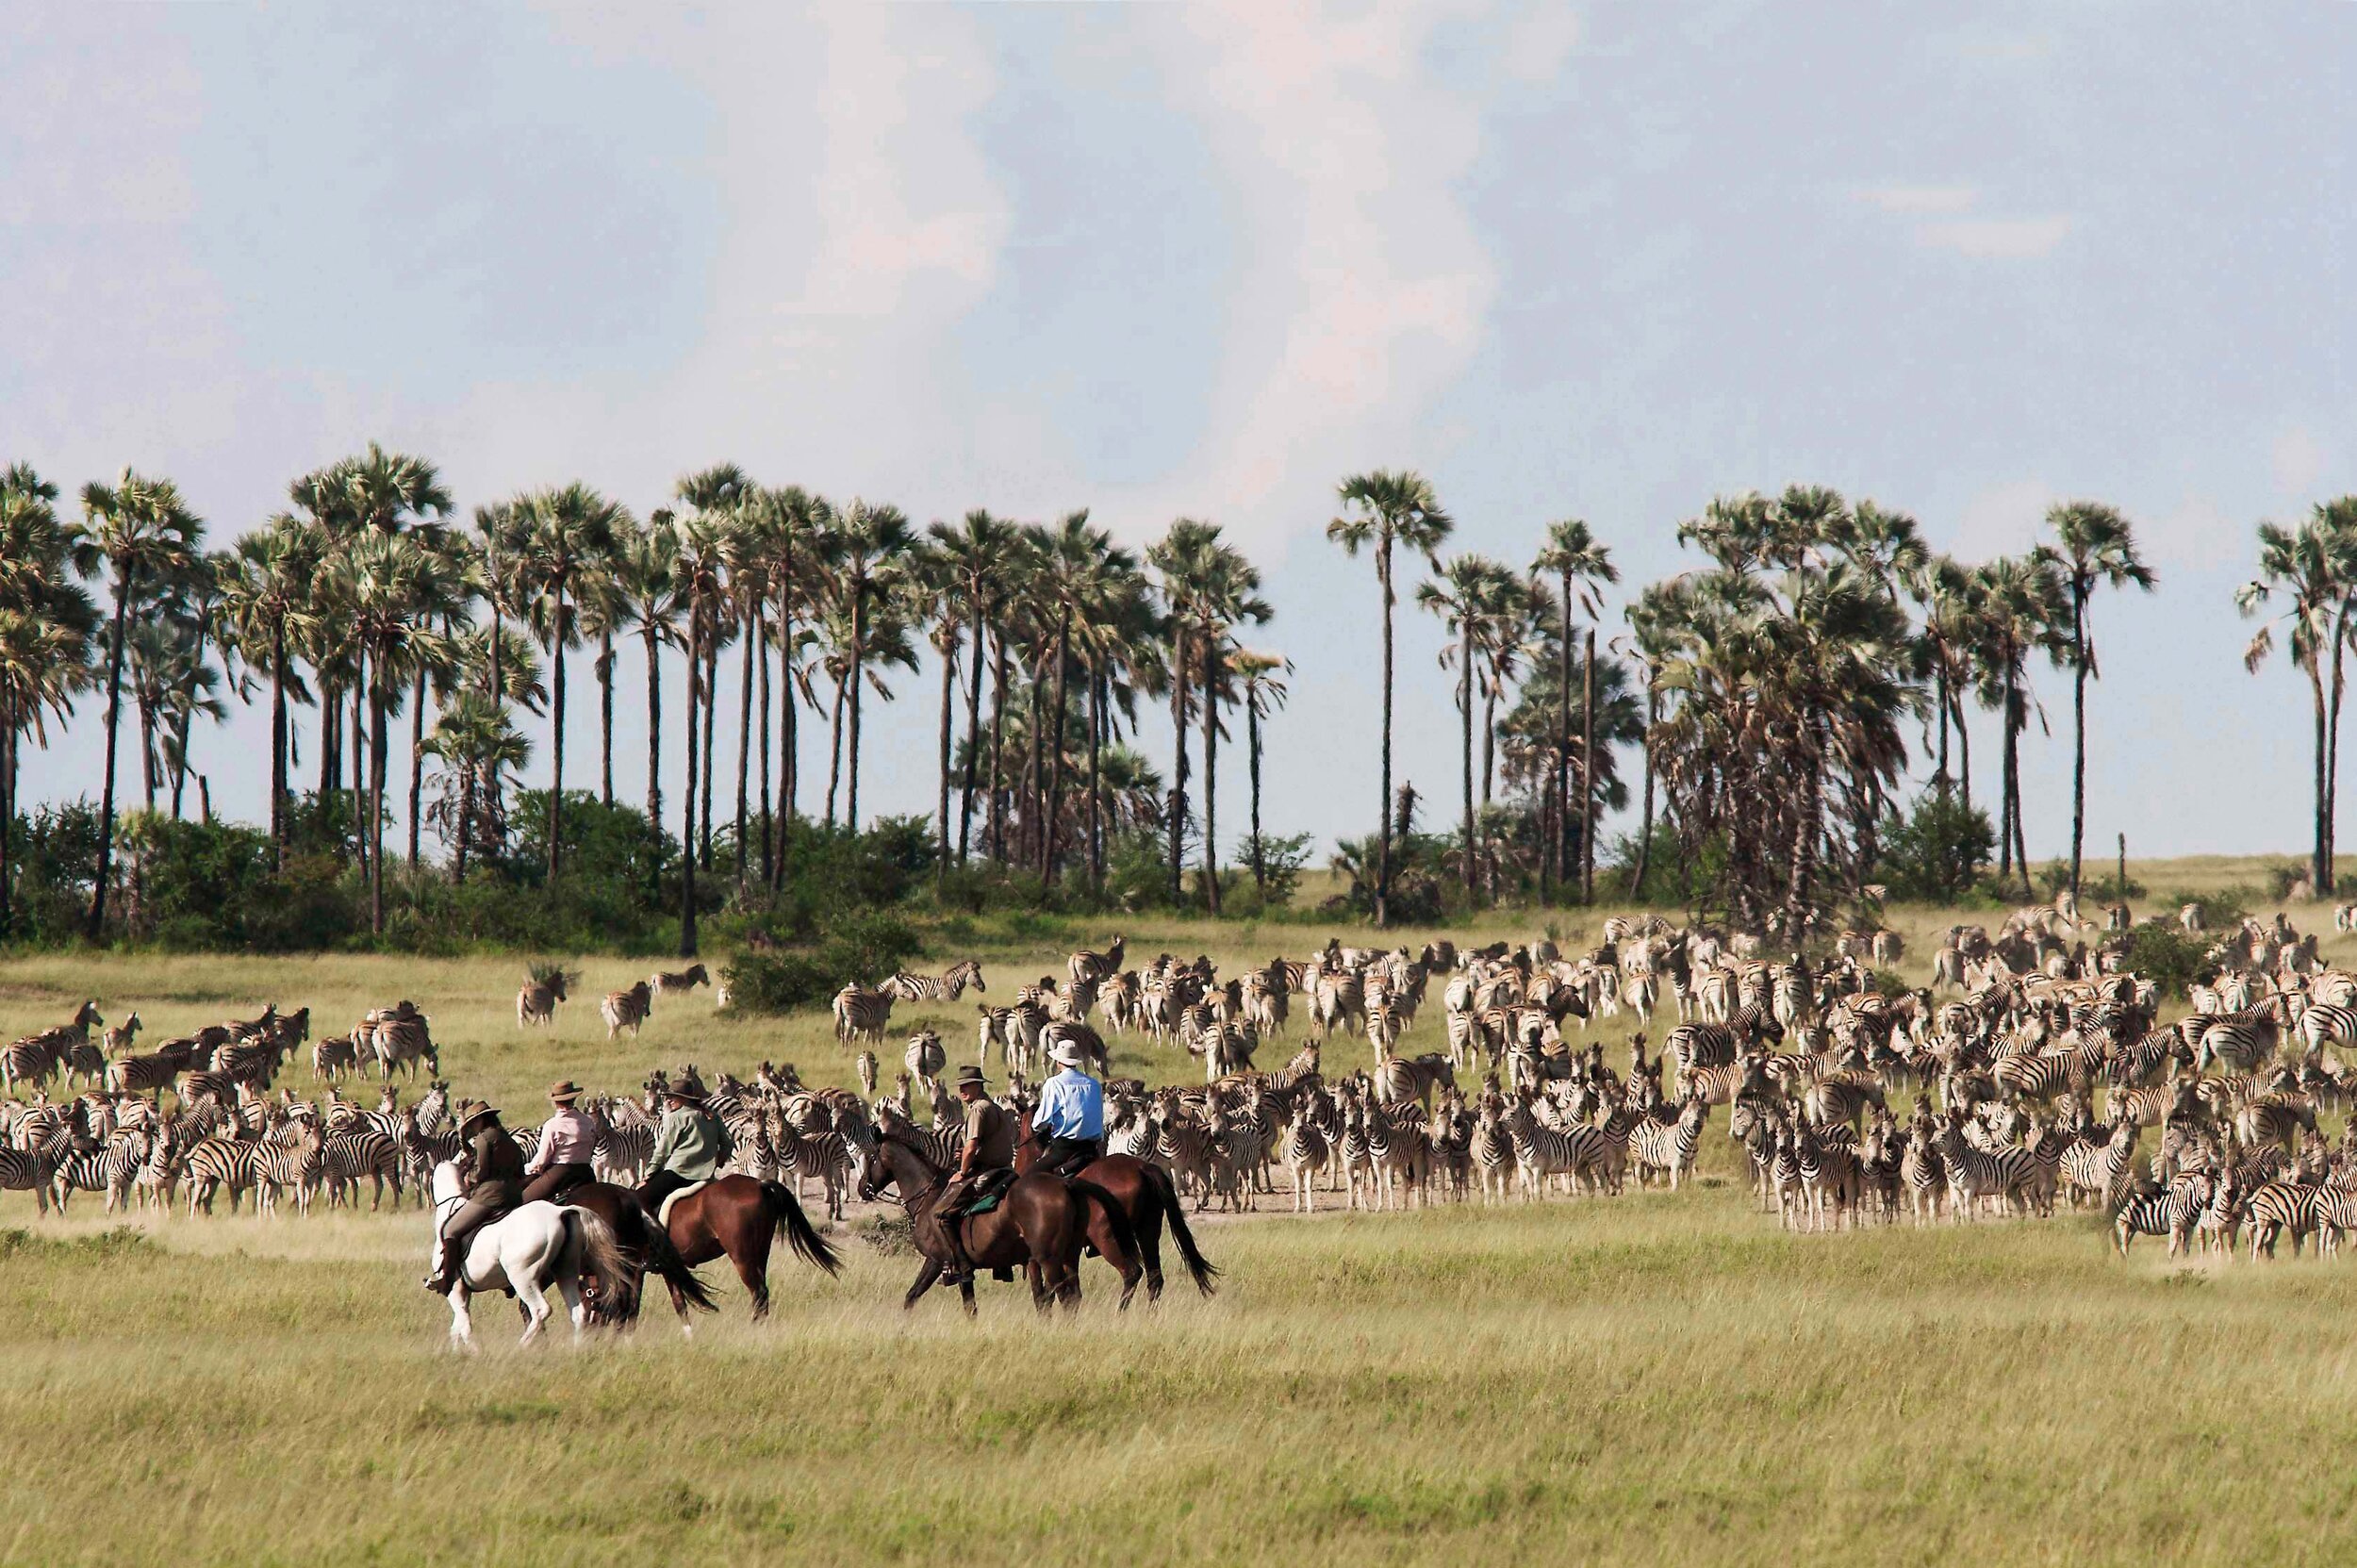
{"x":2003,"y":239}
{"x":2298,"y":460}
{"x":1919,"y":199}
{"x":1540,"y":41}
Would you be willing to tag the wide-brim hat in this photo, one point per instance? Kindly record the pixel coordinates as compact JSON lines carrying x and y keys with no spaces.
{"x":565,"y":1092}
{"x":972,"y":1074}
{"x":1067,"y":1053}
{"x":685,"y":1097}
{"x":473,"y":1111}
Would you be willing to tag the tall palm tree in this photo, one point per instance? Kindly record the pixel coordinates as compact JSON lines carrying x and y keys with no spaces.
{"x":47,"y":624}
{"x":646,"y":574}
{"x":1264,"y":692}
{"x":977,"y":554}
{"x":393,"y":582}
{"x":140,"y":531}
{"x":1581,"y":565}
{"x":1465,"y":595}
{"x":2024,"y":610}
{"x":569,"y":532}
{"x":1382,"y":511}
{"x":1210,"y":588}
{"x":478,"y":745}
{"x":871,"y":541}
{"x":2307,"y":570}
{"x":266,"y":606}
{"x":2094,"y":546}
{"x":699,"y":575}
{"x":933,"y":594}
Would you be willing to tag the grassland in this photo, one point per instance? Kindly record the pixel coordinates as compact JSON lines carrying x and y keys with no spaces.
{"x":1665,"y":1379}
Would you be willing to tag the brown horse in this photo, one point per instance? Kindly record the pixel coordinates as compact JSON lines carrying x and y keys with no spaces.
{"x":646,"y":1249}
{"x":1147,"y":1199}
{"x":737,"y":1217}
{"x":1041,"y":1223}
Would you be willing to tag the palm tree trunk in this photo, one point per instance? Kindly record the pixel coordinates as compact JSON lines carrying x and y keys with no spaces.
{"x":2319,"y":871}
{"x":1055,"y":754}
{"x":1464,"y":725}
{"x":744,"y":740}
{"x":655,"y":728}
{"x":711,"y":729}
{"x":1034,"y":771}
{"x":1587,"y":773}
{"x":106,"y":795}
{"x":789,"y":737}
{"x":466,"y":822}
{"x":1964,"y":751}
{"x":769,"y":817}
{"x":556,"y":741}
{"x":605,"y":716}
{"x":948,"y":700}
{"x":2333,"y":757}
{"x":278,"y":741}
{"x":998,"y":806}
{"x":858,"y":661}
{"x":7,"y":809}
{"x":1178,"y":767}
{"x":331,"y":745}
{"x":2078,"y":732}
{"x":1558,"y":849}
{"x":377,"y":735}
{"x":1211,"y":769}
{"x":687,"y":796}
{"x":1096,"y":787}
{"x":835,"y":751}
{"x":1644,"y":833}
{"x":416,"y":765}
{"x":1940,"y":701}
{"x":973,"y":726}
{"x":360,"y":689}
{"x":1252,"y":763}
{"x":1383,"y":810}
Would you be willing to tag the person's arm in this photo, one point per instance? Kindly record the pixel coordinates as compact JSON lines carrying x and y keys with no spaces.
{"x":975,"y":1116}
{"x":1044,"y":1117}
{"x":540,"y":1148}
{"x":666,"y":1144}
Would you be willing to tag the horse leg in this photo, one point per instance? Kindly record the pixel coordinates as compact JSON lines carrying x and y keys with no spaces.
{"x":461,"y":1326}
{"x":751,"y":1258}
{"x":569,"y":1286}
{"x":535,"y":1304}
{"x":929,"y":1271}
{"x":1036,"y":1272}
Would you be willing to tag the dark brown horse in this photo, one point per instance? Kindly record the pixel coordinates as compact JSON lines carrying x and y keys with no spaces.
{"x":1040,"y":1223}
{"x":1147,"y":1200}
{"x":737,"y":1217}
{"x":647,"y":1249}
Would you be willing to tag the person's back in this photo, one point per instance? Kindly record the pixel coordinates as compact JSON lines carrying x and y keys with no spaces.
{"x":1071,"y":1115}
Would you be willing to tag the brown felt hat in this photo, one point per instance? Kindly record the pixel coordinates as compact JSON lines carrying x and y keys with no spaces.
{"x":973,"y":1075}
{"x":565,"y":1093}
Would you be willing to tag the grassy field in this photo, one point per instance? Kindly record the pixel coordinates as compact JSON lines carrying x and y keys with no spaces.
{"x":1666,"y":1378}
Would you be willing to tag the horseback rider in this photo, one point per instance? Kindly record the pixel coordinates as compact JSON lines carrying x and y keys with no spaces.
{"x":989,"y":1148}
{"x":691,"y":1145}
{"x":567,"y":1139}
{"x":497,"y":1186}
{"x":1071,"y":1113}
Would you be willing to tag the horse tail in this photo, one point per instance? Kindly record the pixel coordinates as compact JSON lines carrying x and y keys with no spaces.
{"x":664,"y":1258}
{"x":811,"y":1246}
{"x":1199,"y":1268}
{"x":1124,"y":1234}
{"x":601,"y":1255}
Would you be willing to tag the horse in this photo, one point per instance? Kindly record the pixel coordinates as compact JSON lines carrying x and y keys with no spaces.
{"x":1042,"y":1222}
{"x":737,"y":1217}
{"x":1146,"y":1199}
{"x":646,"y":1247}
{"x":523,"y":1252}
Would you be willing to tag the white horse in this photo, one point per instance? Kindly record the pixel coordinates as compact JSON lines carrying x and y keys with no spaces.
{"x":524,"y":1252}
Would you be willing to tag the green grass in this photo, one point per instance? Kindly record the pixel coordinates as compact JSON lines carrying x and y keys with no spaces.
{"x":1664,"y":1379}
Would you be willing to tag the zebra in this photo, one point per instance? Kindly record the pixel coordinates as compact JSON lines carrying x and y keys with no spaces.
{"x":925,"y":1058}
{"x":1305,"y":1152}
{"x":1973,"y":1174}
{"x":2100,"y":1168}
{"x":27,"y":1170}
{"x":629,"y":1009}
{"x":1093,"y":965}
{"x":667,"y":982}
{"x":947,"y":986}
{"x":216,"y":1163}
{"x":536,"y":1000}
{"x":2172,"y":1213}
{"x":400,"y":1038}
{"x":334,"y":1055}
{"x":369,"y":1152}
{"x":2276,"y":1206}
{"x":108,"y":1169}
{"x":299,"y":1165}
{"x":1669,"y":1148}
{"x":861,"y":1013}
{"x":827,"y":1156}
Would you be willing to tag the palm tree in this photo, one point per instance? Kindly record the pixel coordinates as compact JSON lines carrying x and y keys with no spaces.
{"x":1209,"y":588}
{"x":140,"y":531}
{"x":646,"y":575}
{"x":569,"y":532}
{"x":1264,"y":693}
{"x":47,"y":622}
{"x":1572,"y":554}
{"x":478,"y":746}
{"x":699,"y":576}
{"x":2093,"y":546}
{"x":2307,"y":569}
{"x":977,"y":552}
{"x":393,"y":584}
{"x":1383,"y":510}
{"x":870,"y":542}
{"x":266,"y":606}
{"x":2025,"y":609}
{"x":1464,"y":597}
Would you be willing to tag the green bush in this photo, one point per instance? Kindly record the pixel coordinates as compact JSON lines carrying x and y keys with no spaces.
{"x":2161,"y":952}
{"x":864,"y":948}
{"x":1935,"y":852}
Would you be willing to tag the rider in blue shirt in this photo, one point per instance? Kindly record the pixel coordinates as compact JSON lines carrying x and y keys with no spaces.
{"x":1071,"y":1113}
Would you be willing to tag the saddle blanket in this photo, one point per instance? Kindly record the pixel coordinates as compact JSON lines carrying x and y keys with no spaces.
{"x":662,"y":1215}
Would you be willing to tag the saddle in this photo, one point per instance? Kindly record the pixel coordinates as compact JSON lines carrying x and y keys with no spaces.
{"x":663,"y":1213}
{"x":990,"y":1190}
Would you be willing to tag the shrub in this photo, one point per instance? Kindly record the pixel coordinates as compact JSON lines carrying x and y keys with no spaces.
{"x":2166,"y":955}
{"x":1938,"y":851}
{"x":862,"y":947}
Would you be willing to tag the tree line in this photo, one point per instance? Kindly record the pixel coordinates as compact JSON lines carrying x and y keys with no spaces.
{"x":1769,"y":692}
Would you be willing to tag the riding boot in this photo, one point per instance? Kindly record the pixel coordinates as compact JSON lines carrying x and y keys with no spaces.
{"x":961,"y":1270}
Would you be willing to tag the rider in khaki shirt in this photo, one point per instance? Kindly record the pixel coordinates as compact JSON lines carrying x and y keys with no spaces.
{"x":990,"y":1135}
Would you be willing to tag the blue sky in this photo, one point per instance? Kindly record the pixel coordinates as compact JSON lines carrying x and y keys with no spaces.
{"x":1605,"y":261}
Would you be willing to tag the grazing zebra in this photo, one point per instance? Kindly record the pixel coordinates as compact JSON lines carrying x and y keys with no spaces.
{"x":400,"y":1038}
{"x":536,"y":1002}
{"x":861,"y":1013}
{"x":629,"y":1009}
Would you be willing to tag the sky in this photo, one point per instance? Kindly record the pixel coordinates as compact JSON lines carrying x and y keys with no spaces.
{"x":1164,"y":260}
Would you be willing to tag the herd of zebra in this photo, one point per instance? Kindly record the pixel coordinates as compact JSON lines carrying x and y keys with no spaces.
{"x":2031,"y":1069}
